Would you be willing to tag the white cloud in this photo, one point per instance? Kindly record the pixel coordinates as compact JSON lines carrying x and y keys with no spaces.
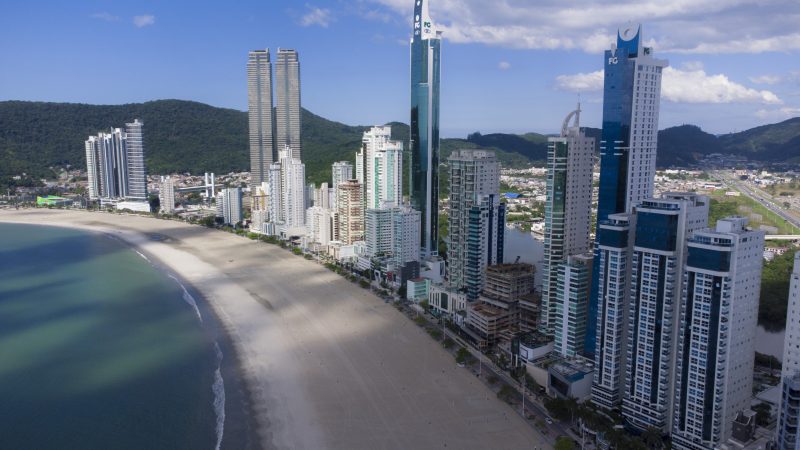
{"x":108,"y":17}
{"x":316,"y":16}
{"x":685,"y":26}
{"x":766,"y":79}
{"x":504,"y":65}
{"x":681,"y":86}
{"x":144,"y":20}
{"x":581,"y":82}
{"x":778,"y":114}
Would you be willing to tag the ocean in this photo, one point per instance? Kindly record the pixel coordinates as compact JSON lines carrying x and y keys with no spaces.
{"x":101,"y":349}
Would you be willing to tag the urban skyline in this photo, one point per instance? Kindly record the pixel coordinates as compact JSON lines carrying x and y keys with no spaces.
{"x":734,"y":96}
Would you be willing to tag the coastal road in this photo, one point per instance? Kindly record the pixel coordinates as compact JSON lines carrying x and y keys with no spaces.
{"x":327,"y":363}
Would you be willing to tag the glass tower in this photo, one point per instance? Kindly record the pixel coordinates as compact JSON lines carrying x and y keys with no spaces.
{"x":425,"y":79}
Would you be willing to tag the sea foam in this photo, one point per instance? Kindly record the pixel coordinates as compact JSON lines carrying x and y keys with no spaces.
{"x":187,"y":297}
{"x":219,"y":396}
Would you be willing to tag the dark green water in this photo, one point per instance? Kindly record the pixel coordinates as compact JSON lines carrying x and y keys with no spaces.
{"x":98,"y":349}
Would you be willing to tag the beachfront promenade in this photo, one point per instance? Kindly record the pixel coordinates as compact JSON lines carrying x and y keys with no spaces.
{"x":329,"y":365}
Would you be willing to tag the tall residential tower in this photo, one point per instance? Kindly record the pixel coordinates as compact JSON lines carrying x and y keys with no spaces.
{"x":287,"y":102}
{"x":425,"y":79}
{"x":259,"y":104}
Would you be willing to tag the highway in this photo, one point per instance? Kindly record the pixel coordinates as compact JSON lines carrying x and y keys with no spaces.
{"x":760,"y":197}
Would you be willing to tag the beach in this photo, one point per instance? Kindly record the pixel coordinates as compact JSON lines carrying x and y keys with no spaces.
{"x":326,"y":364}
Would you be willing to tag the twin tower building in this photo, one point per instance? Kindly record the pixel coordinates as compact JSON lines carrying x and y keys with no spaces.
{"x":665,"y":305}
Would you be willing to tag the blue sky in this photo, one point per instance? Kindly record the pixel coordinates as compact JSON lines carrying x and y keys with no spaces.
{"x":508,"y":65}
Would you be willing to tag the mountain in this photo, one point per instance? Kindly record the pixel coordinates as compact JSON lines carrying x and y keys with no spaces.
{"x":184,"y":136}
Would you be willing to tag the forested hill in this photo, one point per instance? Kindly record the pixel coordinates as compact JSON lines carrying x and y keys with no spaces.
{"x":184,"y":136}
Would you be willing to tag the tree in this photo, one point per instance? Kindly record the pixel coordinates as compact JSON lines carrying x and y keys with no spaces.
{"x":652,"y":438}
{"x":461,"y":355}
{"x":564,"y":443}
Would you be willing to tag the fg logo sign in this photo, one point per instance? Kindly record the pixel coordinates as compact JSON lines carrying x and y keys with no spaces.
{"x":613,"y":60}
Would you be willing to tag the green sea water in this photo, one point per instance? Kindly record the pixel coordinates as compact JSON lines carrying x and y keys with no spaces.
{"x":98,"y":349}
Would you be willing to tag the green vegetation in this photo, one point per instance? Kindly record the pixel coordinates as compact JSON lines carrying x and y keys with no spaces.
{"x":506,"y":393}
{"x":723,"y":206}
{"x":763,"y":415}
{"x":767,"y":361}
{"x":462,"y":355}
{"x":564,"y":443}
{"x":775,"y":278}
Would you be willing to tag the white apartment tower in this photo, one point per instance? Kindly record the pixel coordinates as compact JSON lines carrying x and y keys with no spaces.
{"x":115,"y":164}
{"x":568,"y":209}
{"x":658,"y":258}
{"x":259,"y":103}
{"x":790,"y":399}
{"x":293,"y":190}
{"x":379,"y":168}
{"x":341,"y":171}
{"x":574,"y":277}
{"x":166,"y":195}
{"x":229,"y":205}
{"x":275,"y":194}
{"x":394,"y":233}
{"x":287,"y":102}
{"x":716,"y":340}
{"x":476,"y":219}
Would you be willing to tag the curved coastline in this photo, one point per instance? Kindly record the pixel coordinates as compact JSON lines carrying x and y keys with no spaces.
{"x":323,"y":363}
{"x":232,"y":398}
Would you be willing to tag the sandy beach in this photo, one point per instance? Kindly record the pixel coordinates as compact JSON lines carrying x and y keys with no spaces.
{"x":327,"y":364}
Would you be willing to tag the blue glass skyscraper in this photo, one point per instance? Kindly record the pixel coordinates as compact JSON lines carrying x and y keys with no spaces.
{"x":424,"y":145}
{"x":631,"y":98}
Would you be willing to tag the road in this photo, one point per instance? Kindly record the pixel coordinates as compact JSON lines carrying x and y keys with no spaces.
{"x":760,"y":197}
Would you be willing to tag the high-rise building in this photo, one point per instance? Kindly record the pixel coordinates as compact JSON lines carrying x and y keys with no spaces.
{"x":137,"y":173}
{"x":350,"y":208}
{"x":476,"y":219}
{"x":716,"y":340}
{"x":166,"y":195}
{"x":322,"y":196}
{"x":115,"y":164}
{"x":393,"y":233}
{"x":259,"y":102}
{"x":379,"y":168}
{"x":425,"y":79}
{"x":658,"y":258}
{"x":275,"y":194}
{"x":229,"y":205}
{"x":631,"y":96}
{"x":321,"y":224}
{"x":573,"y":285}
{"x":341,"y":172}
{"x":568,"y":209}
{"x":287,"y":102}
{"x":790,"y":376}
{"x":293,"y":190}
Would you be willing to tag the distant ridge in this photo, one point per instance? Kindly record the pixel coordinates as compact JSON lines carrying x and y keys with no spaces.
{"x":185,"y":136}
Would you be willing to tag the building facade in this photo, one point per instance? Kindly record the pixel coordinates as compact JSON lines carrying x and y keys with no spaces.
{"x":716,"y":341}
{"x":350,"y":208}
{"x":288,"y":114}
{"x":379,"y":168}
{"x":425,"y":81}
{"x":293,"y":190}
{"x":341,"y":171}
{"x":229,"y":206}
{"x":631,"y":98}
{"x":572,"y":289}
{"x":658,"y":258}
{"x":115,"y":164}
{"x":790,"y":375}
{"x":476,"y":219}
{"x":259,"y":114}
{"x":568,"y":209}
{"x":166,"y":195}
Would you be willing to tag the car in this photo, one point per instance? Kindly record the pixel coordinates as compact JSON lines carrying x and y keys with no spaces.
{"x":548,"y":420}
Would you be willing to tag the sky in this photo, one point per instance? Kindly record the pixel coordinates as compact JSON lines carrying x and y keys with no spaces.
{"x":507,"y":65}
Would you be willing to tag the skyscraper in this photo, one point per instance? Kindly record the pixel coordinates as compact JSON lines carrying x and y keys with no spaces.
{"x":136,"y":171}
{"x":166,"y":195}
{"x":790,"y":375}
{"x":229,"y":205}
{"x":293,"y":190}
{"x":379,"y":168}
{"x":424,"y":145}
{"x":287,"y":102}
{"x":115,"y":164}
{"x":631,"y":95}
{"x":658,"y":258}
{"x":393,"y":233}
{"x":716,"y":341}
{"x":259,"y":102}
{"x":568,"y":209}
{"x":350,"y":207}
{"x":573,"y":277}
{"x":341,"y":172}
{"x":476,"y":219}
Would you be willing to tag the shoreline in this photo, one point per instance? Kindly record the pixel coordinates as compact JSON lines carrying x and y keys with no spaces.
{"x":323,"y":363}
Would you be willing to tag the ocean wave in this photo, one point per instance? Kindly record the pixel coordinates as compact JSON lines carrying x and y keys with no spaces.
{"x":219,"y":396}
{"x":142,"y":255}
{"x":187,"y":297}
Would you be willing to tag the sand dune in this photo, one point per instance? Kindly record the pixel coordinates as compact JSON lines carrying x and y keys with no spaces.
{"x":328,"y":364}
